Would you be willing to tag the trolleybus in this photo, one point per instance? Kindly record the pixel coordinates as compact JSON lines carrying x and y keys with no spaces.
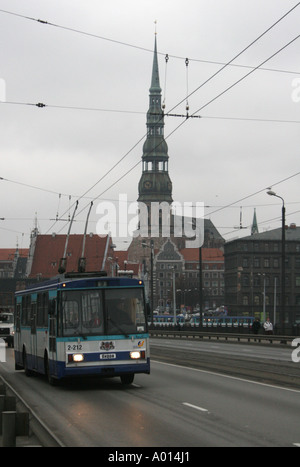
{"x":80,"y":325}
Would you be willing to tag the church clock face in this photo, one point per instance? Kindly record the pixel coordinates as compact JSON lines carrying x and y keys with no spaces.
{"x":148,"y":185}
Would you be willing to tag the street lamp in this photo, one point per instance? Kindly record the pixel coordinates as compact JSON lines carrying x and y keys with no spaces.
{"x":200,"y":287}
{"x":151,"y":272}
{"x":272,"y":193}
{"x":264,"y":298}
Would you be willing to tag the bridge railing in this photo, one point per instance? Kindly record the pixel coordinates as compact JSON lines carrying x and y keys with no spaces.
{"x":233,"y":337}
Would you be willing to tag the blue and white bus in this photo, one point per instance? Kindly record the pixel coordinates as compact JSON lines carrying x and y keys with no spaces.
{"x":80,"y":325}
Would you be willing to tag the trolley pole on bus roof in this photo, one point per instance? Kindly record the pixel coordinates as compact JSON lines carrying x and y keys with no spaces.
{"x":151,"y":273}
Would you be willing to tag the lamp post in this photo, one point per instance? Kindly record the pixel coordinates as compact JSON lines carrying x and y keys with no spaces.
{"x":264,"y":297}
{"x":200,"y":287}
{"x":282,"y":309}
{"x":151,"y":272}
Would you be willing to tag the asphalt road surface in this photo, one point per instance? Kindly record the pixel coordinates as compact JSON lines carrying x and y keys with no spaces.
{"x":175,"y":406}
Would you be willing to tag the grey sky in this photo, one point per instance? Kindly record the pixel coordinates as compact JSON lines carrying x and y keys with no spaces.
{"x":215,"y":160}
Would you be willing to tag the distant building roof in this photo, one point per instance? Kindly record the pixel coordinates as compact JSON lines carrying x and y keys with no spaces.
{"x":8,"y":254}
{"x":208,"y":254}
{"x":49,"y":249}
{"x":121,"y":258}
{"x":292,"y":233}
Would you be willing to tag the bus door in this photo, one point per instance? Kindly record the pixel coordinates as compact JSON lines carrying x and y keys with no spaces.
{"x":52,"y":334}
{"x":17,"y":341}
{"x":33,"y":337}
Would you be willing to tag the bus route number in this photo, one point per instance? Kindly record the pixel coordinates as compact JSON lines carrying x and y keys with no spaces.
{"x":74,"y":347}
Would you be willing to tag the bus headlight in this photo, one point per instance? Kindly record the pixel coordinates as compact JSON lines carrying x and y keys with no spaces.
{"x":137,"y":354}
{"x":78,"y":357}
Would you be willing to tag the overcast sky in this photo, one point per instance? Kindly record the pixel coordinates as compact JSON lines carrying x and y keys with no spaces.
{"x":233,"y":152}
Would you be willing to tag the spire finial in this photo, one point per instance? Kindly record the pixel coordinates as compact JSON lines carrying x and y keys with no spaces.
{"x":155,"y":22}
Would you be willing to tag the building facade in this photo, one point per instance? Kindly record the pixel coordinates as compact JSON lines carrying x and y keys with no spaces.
{"x":253,"y":275}
{"x":181,"y":269}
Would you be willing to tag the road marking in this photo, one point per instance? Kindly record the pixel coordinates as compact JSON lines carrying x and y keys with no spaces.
{"x":221,"y":375}
{"x":297,"y":445}
{"x":201,"y":409}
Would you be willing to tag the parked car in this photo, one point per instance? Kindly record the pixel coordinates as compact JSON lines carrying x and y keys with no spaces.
{"x":7,"y":328}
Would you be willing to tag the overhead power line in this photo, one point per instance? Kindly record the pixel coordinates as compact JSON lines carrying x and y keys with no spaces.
{"x":168,"y":114}
{"x":145,"y":49}
{"x":230,"y":87}
{"x":212,"y":100}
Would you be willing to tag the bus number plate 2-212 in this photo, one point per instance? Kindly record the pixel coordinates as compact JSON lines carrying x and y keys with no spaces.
{"x":107,"y":356}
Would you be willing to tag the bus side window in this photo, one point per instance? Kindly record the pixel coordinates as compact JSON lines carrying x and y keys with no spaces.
{"x":52,"y":307}
{"x":18,"y":317}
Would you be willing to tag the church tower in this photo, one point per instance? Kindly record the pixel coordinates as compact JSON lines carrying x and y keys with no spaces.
{"x":155,"y":184}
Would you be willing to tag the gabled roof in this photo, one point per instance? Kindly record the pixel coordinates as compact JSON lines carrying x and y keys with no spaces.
{"x":121,"y":257}
{"x":208,"y":254}
{"x":8,"y":254}
{"x":49,"y":249}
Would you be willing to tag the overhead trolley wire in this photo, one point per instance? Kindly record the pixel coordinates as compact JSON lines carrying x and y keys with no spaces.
{"x":145,"y":49}
{"x":168,"y":114}
{"x":230,"y":87}
{"x":254,"y":194}
{"x":238,"y":55}
{"x":212,"y":100}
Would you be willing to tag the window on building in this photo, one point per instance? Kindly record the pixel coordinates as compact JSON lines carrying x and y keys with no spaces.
{"x":256,"y":300}
{"x":245,"y":300}
{"x":256,"y":262}
{"x":245,"y":280}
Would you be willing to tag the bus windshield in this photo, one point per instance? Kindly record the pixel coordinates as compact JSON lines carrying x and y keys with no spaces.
{"x":125,"y":311}
{"x":94,"y":312}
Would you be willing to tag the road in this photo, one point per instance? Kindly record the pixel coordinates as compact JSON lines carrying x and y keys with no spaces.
{"x":175,"y":406}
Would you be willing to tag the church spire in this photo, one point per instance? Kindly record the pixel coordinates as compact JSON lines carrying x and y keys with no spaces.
{"x":155,"y":85}
{"x":254,"y":228}
{"x":155,"y":184}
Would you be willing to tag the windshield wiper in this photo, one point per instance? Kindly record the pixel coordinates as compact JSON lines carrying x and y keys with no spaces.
{"x":77,"y":333}
{"x":117,"y":326}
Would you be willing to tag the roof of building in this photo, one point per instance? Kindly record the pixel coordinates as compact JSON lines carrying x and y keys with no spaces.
{"x":292,"y":233}
{"x":49,"y":249}
{"x":208,"y":254}
{"x":8,"y":254}
{"x":121,"y":257}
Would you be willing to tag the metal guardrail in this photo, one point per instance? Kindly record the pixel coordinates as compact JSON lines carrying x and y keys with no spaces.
{"x":20,"y":421}
{"x":192,"y":334}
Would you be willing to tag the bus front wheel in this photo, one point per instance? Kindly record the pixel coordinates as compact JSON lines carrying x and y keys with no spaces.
{"x":127,"y":379}
{"x":25,"y":364}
